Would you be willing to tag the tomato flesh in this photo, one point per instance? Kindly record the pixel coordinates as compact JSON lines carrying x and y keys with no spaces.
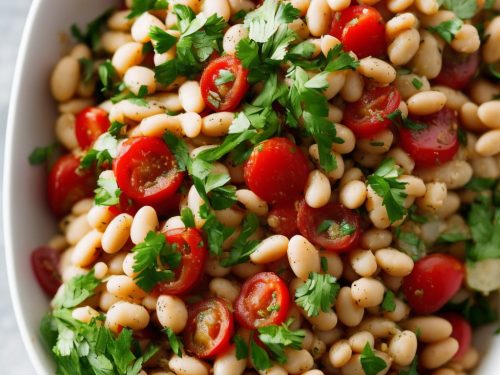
{"x":277,"y":170}
{"x":45,"y":263}
{"x":437,"y":143}
{"x":146,"y":171}
{"x":434,"y":280}
{"x":361,"y":29}
{"x":224,"y":83}
{"x":90,"y":124}
{"x":282,"y":219}
{"x":194,"y":255}
{"x":462,"y":332}
{"x":333,"y":227}
{"x":368,"y":116}
{"x":264,"y":300}
{"x":209,"y":328}
{"x":67,"y":184}
{"x":458,"y":69}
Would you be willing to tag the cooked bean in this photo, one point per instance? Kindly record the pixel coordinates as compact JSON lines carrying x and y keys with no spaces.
{"x":454,"y":174}
{"x":363,"y":262}
{"x":187,"y":365}
{"x":224,"y":288}
{"x":298,"y":361}
{"x":438,"y":353}
{"x":126,"y":56}
{"x":491,"y":53}
{"x":377,"y":69}
{"x":394,"y":262}
{"x":403,"y":347}
{"x":77,"y":229}
{"x":111,"y":41}
{"x":317,"y":190}
{"x":428,"y":60}
{"x":353,"y":87}
{"x":138,"y":77}
{"x":269,"y":250}
{"x":379,"y":327}
{"x":87,"y":249}
{"x":126,"y":315}
{"x":427,"y":102}
{"x":318,"y":17}
{"x":171,"y":312}
{"x":353,"y":194}
{"x":404,"y":46}
{"x":489,"y":114}
{"x":145,"y":221}
{"x":124,"y":287}
{"x":430,"y":328}
{"x":117,"y":233}
{"x":398,"y":24}
{"x":348,"y":312}
{"x":401,"y":311}
{"x":466,"y":39}
{"x":99,"y":218}
{"x":228,"y":363}
{"x":232,"y":37}
{"x":340,"y":353}
{"x":303,"y":257}
{"x":359,"y":340}
{"x":65,"y":78}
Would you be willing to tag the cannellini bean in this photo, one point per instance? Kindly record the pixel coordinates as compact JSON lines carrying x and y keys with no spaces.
{"x":405,"y":83}
{"x":340,"y":353}
{"x":379,"y":327}
{"x":298,"y":361}
{"x":217,"y":124}
{"x":428,"y":60}
{"x":482,"y":90}
{"x":111,"y":41}
{"x":353,"y":87}
{"x":403,"y":347}
{"x":124,"y":287}
{"x":301,"y":5}
{"x":126,"y":56}
{"x":145,"y":221}
{"x":434,"y":196}
{"x":65,"y":131}
{"x":454,"y":99}
{"x":394,"y":262}
{"x":353,"y":366}
{"x":81,"y":51}
{"x":363,"y":262}
{"x":489,"y":143}
{"x":348,"y":312}
{"x":317,"y":190}
{"x":138,"y":112}
{"x":128,"y":265}
{"x":137,"y":77}
{"x":353,"y":194}
{"x":303,"y":257}
{"x":378,"y":144}
{"x":119,"y":21}
{"x":469,"y":118}
{"x":427,"y":6}
{"x":427,"y":102}
{"x":187,"y":365}
{"x":77,"y":229}
{"x":398,"y":24}
{"x":335,"y":81}
{"x":398,"y":6}
{"x":156,"y":125}
{"x":401,"y":311}
{"x":87,"y":249}
{"x":190,"y":97}
{"x":84,"y":314}
{"x":324,"y":321}
{"x":117,"y":233}
{"x":299,"y":27}
{"x":491,"y":53}
{"x":359,"y":340}
{"x":218,"y":7}
{"x":334,"y":264}
{"x":347,"y":135}
{"x":271,"y":249}
{"x":327,"y":43}
{"x":466,"y":39}
{"x":438,"y":353}
{"x":227,"y":363}
{"x":454,"y":174}
{"x":171,"y":312}
{"x":367,"y":292}
{"x":142,"y":26}
{"x":232,"y":37}
{"x":404,"y":46}
{"x":375,"y":239}
{"x":99,"y":217}
{"x":252,"y":202}
{"x":224,"y":288}
{"x":377,"y":69}
{"x":318,"y":17}
{"x":430,"y":328}
{"x":65,"y":78}
{"x":489,"y":114}
{"x":128,"y":315}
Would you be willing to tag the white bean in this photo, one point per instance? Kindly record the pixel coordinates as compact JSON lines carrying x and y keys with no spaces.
{"x":303,"y":257}
{"x":171,"y":312}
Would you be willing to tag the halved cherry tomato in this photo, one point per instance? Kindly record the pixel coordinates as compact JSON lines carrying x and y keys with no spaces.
{"x":45,"y":262}
{"x":368,"y":115}
{"x":333,"y":227}
{"x":146,"y":170}
{"x":462,"y":332}
{"x":437,"y":143}
{"x":194,"y":255}
{"x":209,"y":328}
{"x":434,"y":280}
{"x":282,"y":219}
{"x":264,"y":300}
{"x":67,"y":184}
{"x":224,"y":83}
{"x":458,"y":68}
{"x":90,"y":123}
{"x":276,"y":170}
{"x":361,"y":29}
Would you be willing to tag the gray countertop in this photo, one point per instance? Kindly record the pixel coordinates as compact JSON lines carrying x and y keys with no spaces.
{"x":13,"y":356}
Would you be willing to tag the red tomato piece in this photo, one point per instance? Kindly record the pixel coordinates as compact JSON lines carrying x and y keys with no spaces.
{"x":434,"y":280}
{"x":264,"y":300}
{"x":458,"y":69}
{"x":67,"y":184}
{"x":90,"y":123}
{"x":361,"y":29}
{"x":209,"y":328}
{"x":146,"y":170}
{"x":437,"y":143}
{"x":45,"y":262}
{"x":276,"y":170}
{"x":224,"y":83}
{"x":462,"y":332}
{"x":194,"y":255}
{"x":333,"y":227}
{"x":368,"y":116}
{"x":282,"y":219}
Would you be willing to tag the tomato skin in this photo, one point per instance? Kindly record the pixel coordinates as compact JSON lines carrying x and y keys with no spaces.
{"x":90,"y":123}
{"x":276,"y":170}
{"x":458,"y":69}
{"x":434,"y":280}
{"x":437,"y":143}
{"x":192,"y":263}
{"x":361,"y":29}
{"x":146,"y":171}
{"x":282,"y":219}
{"x":45,"y":263}
{"x":257,"y":294}
{"x":67,"y":184}
{"x":231,"y":93}
{"x":368,"y":116}
{"x":462,"y":332}
{"x":218,"y":309}
{"x":310,"y":218}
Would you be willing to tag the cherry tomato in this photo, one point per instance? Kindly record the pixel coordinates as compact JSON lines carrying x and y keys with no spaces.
{"x":209,"y":328}
{"x":194,"y":255}
{"x":368,"y":115}
{"x":333,"y":227}
{"x":437,"y":143}
{"x":361,"y":29}
{"x":126,"y":205}
{"x":90,"y":123}
{"x":462,"y":332}
{"x":277,"y":170}
{"x":224,"y":83}
{"x":146,"y":171}
{"x":282,"y":219}
{"x":45,"y":262}
{"x":264,"y":300}
{"x":434,"y":280}
{"x":458,"y":69}
{"x":67,"y":184}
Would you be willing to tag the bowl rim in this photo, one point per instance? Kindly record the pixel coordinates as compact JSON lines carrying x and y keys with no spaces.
{"x":7,"y":191}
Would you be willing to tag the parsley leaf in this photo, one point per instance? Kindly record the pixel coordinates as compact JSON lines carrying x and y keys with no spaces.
{"x":77,"y":290}
{"x":410,"y":243}
{"x":371,"y":364}
{"x":241,"y":347}
{"x":215,"y":231}
{"x":385,"y":184}
{"x":175,"y":341}
{"x":163,"y":40}
{"x":413,"y":368}
{"x":388,"y":301}
{"x":142,"y":6}
{"x":477,"y":309}
{"x":107,"y":75}
{"x":318,"y":293}
{"x":243,"y":247}
{"x":417,"y":83}
{"x":151,"y":256}
{"x":277,"y":338}
{"x":92,"y":34}
{"x":464,"y":9}
{"x":484,"y":224}
{"x":103,"y":151}
{"x":87,"y":67}
{"x":41,"y":154}
{"x":107,"y":193}
{"x":187,"y":217}
{"x":338,"y":59}
{"x":115,"y":129}
{"x":259,"y":356}
{"x":448,"y":29}
{"x":179,"y":149}
{"x":451,"y":237}
{"x":480,"y":184}
{"x":397,"y":119}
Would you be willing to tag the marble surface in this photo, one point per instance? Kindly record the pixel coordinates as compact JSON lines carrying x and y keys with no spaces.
{"x":13,"y":356}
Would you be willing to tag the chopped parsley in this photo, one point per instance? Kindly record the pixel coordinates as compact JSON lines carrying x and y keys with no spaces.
{"x":225,"y":76}
{"x":116,"y":129}
{"x":107,"y":75}
{"x":77,"y":290}
{"x":179,"y":149}
{"x":92,"y":34}
{"x":477,"y":309}
{"x":243,"y":247}
{"x":412,"y":370}
{"x":448,"y":29}
{"x":163,"y":40}
{"x":480,"y":184}
{"x":187,"y":217}
{"x":484,"y":224}
{"x":371,"y":364}
{"x":463,"y":9}
{"x":388,"y":303}
{"x":141,"y":6}
{"x":397,"y":119}
{"x":417,"y":83}
{"x":410,"y":243}
{"x":87,"y":66}
{"x":107,"y":192}
{"x":40,"y":155}
{"x":241,"y":347}
{"x":317,"y":294}
{"x":324,"y":264}
{"x":103,"y":151}
{"x":174,"y":341}
{"x":332,"y":227}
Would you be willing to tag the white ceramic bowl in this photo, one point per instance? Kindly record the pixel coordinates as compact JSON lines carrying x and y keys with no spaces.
{"x":27,"y":221}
